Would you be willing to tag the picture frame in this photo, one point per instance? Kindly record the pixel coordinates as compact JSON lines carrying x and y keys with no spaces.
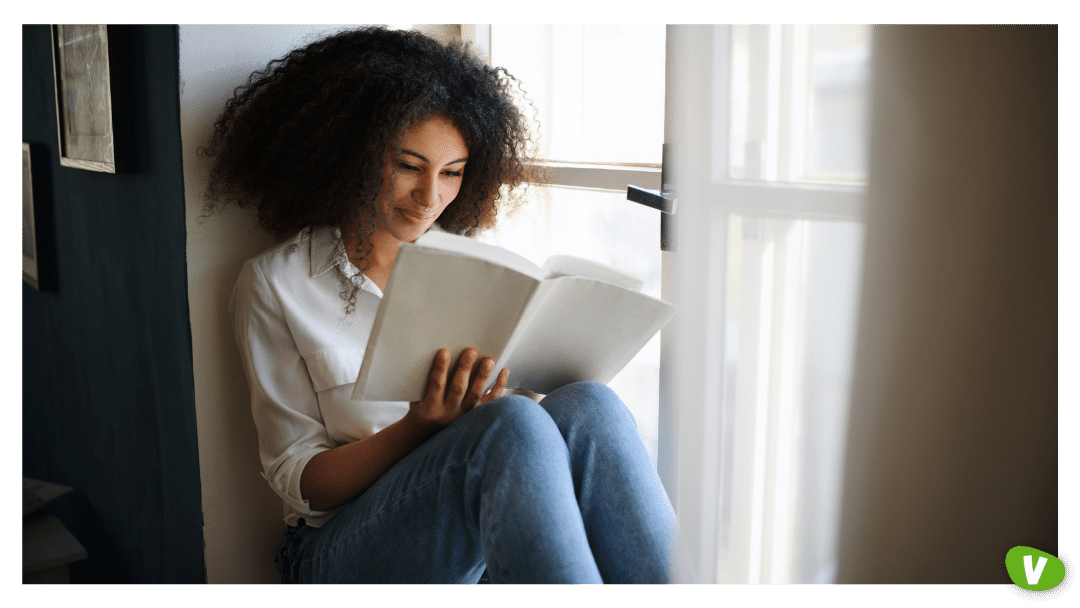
{"x":30,"y":248}
{"x":39,"y":245}
{"x":89,"y":95}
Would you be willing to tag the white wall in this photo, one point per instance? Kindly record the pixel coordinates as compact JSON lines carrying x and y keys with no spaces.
{"x":241,"y":515}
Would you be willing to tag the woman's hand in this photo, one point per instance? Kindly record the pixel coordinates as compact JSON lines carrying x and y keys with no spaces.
{"x":449,"y":395}
{"x":335,"y":476}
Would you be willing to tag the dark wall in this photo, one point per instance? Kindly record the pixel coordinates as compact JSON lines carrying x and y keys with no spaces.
{"x":108,"y":390}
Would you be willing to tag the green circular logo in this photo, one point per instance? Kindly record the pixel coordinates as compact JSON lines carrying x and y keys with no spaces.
{"x":1034,"y":570}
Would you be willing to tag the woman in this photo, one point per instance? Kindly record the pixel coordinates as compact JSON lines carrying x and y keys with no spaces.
{"x":346,"y":149}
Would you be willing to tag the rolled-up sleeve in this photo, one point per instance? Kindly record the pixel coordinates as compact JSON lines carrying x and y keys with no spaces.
{"x":284,"y":402}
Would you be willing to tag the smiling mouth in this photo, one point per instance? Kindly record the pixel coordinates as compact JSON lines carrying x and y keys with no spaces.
{"x":415,"y":217}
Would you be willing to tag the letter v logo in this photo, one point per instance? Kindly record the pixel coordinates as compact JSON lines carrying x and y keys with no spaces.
{"x":1033,"y":569}
{"x":1033,"y":575}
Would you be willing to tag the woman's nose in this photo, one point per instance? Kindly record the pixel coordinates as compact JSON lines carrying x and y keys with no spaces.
{"x":427,"y":193}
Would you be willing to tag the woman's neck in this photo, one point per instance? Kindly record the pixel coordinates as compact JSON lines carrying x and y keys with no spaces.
{"x":380,"y":258}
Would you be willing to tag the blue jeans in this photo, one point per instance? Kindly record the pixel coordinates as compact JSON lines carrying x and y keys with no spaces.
{"x":557,"y":492}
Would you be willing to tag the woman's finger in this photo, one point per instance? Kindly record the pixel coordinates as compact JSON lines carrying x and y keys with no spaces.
{"x":437,"y":378}
{"x":459,"y":383}
{"x":498,"y":388}
{"x":476,"y":387}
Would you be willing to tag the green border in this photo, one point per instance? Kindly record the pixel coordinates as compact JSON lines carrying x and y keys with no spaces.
{"x":849,"y":11}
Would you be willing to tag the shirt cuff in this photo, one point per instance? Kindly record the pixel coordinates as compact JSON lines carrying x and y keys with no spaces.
{"x":298,"y":506}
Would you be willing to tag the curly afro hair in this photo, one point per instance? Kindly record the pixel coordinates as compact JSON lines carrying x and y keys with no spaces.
{"x":304,"y":141}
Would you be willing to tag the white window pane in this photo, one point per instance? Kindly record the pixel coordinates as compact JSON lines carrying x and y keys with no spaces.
{"x":799,"y":97}
{"x":598,"y":89}
{"x":840,"y":96}
{"x":792,"y":310}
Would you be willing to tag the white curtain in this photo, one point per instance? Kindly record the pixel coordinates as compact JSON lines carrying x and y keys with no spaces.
{"x":953,"y":448}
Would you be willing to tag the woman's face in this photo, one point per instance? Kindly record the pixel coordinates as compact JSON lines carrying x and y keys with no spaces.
{"x":421,"y":178}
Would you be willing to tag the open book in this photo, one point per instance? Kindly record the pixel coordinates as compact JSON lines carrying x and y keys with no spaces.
{"x":571,"y":320}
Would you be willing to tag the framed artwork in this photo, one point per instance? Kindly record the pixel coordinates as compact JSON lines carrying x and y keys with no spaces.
{"x":30,"y":274}
{"x":87,"y":94}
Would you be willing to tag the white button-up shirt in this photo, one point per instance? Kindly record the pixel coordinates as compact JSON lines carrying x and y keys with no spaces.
{"x":302,"y":354}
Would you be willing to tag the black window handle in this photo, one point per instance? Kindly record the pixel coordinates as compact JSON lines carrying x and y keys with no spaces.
{"x":650,"y":198}
{"x":658,"y":199}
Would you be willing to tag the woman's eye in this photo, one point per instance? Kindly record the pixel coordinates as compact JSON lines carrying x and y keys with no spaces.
{"x":452,"y":173}
{"x":407,"y":166}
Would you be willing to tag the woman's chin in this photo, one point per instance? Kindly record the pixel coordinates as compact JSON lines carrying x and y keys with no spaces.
{"x":409,"y":233}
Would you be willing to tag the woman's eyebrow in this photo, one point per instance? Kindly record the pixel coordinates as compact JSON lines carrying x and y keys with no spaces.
{"x":421,"y":157}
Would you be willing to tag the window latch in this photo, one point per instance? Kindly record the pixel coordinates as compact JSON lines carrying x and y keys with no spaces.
{"x":650,"y":198}
{"x":660,"y":200}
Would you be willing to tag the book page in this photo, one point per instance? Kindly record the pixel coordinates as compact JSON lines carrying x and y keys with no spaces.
{"x":473,"y":248}
{"x":569,"y":265}
{"x":437,"y":299}
{"x":583,"y":330}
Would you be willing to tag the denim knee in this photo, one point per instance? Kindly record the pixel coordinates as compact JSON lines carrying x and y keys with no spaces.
{"x":593,"y":392}
{"x":519,"y":413}
{"x":519,"y":421}
{"x":586,"y":401}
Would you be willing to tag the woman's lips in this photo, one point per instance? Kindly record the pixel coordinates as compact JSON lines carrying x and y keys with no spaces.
{"x":414,"y":216}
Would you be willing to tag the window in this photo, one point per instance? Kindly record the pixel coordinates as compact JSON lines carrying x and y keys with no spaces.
{"x":771,"y":208}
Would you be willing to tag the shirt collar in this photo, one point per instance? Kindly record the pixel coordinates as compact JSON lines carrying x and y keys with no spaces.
{"x":328,"y":252}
